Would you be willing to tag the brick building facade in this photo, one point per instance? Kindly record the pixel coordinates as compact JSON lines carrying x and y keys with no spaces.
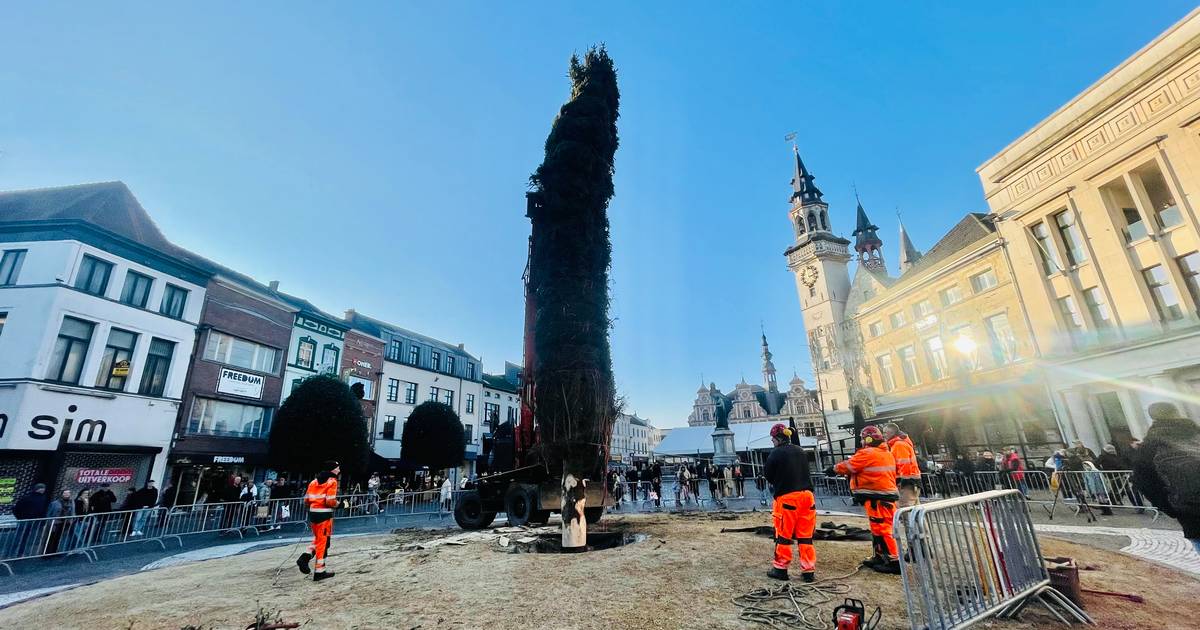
{"x":362,"y":363}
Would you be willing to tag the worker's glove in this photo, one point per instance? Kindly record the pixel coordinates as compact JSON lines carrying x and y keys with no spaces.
{"x":830,"y":472}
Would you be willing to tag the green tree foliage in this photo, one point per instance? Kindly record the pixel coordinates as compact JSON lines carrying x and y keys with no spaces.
{"x":568,"y":272}
{"x":434,"y":437}
{"x":321,"y":419}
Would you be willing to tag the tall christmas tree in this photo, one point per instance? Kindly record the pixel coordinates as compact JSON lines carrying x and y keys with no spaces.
{"x":569,"y":262}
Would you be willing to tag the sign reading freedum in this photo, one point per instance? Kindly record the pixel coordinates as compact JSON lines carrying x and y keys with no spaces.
{"x":240,"y":383}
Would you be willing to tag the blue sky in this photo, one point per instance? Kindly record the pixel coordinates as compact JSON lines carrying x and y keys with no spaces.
{"x":375,"y":155}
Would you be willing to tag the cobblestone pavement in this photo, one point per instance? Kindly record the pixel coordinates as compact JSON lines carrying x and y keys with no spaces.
{"x":1156,"y":545}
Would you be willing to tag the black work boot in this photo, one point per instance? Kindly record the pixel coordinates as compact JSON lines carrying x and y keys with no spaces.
{"x":323,"y":575}
{"x":808,"y":577}
{"x":778,"y":574}
{"x":873,"y":561}
{"x":302,"y":562}
{"x":887,"y":565}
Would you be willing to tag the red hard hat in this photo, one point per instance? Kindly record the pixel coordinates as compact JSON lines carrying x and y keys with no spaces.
{"x":779,"y":430}
{"x":872,"y":433}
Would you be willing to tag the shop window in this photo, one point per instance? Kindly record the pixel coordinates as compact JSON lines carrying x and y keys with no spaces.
{"x":1047,"y":250}
{"x":70,"y":351}
{"x":10,"y":266}
{"x":1072,"y":237}
{"x":158,"y":364}
{"x":93,"y":275}
{"x":174,"y":301}
{"x":114,"y":366}
{"x":1166,"y":301}
{"x":1163,"y":206}
{"x":136,"y":291}
{"x":229,"y":419}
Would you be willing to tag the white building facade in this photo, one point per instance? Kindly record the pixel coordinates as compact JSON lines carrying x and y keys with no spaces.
{"x":632,"y":439}
{"x":417,"y":368}
{"x":98,"y":319}
{"x":316,"y":345}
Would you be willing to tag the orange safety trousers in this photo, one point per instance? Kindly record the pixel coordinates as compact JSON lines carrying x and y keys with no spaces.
{"x":880,"y":514}
{"x":320,"y":544}
{"x":795,"y":515}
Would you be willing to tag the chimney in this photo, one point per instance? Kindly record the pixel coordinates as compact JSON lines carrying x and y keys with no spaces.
{"x":350,"y":314}
{"x":273,"y":285}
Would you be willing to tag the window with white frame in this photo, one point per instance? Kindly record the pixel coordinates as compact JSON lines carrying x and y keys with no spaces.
{"x":1002,"y":339}
{"x":875,"y":328}
{"x":113,"y":373}
{"x":950,"y":296}
{"x":1072,"y":318}
{"x":1047,"y":250}
{"x":223,"y":418}
{"x":306,"y":352}
{"x":1072,"y":237}
{"x":966,"y":351}
{"x":1189,"y":268}
{"x":898,"y":320}
{"x":983,"y":281}
{"x":70,"y":351}
{"x":908,"y":365}
{"x":1101,"y":316}
{"x":935,"y":355}
{"x":158,"y":365}
{"x":1166,"y":301}
{"x":136,"y":291}
{"x":174,"y":301}
{"x":10,"y":266}
{"x":93,"y":275}
{"x":329,"y":358}
{"x":239,"y":352}
{"x":1163,"y":207}
{"x":922,"y":309}
{"x":883,"y":364}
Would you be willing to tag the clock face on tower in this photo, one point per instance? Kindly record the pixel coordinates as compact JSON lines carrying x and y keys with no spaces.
{"x":809,"y":276}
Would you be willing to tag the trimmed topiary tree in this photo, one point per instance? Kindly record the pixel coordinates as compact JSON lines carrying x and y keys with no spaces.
{"x":570,"y":255}
{"x":434,"y":437}
{"x":321,"y":419}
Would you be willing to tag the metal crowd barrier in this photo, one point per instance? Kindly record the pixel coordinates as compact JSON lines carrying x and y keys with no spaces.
{"x":22,"y":539}
{"x":1088,"y":490}
{"x":970,"y":558}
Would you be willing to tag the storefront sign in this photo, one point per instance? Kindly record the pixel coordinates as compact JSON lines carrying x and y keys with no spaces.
{"x":91,"y":476}
{"x":240,"y":383}
{"x":8,"y":488}
{"x":121,"y":368}
{"x":366,"y":365}
{"x":228,"y":459}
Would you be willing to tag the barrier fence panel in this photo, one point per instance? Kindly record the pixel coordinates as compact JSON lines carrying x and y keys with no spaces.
{"x":970,"y":558}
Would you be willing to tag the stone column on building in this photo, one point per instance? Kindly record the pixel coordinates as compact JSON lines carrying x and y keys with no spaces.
{"x":1081,"y":426}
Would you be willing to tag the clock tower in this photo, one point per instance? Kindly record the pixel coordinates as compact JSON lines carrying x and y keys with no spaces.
{"x":819,"y":259}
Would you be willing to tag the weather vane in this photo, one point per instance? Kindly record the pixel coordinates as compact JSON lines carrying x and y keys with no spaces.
{"x":791,"y":137}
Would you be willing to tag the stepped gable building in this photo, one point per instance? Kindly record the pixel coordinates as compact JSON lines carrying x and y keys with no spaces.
{"x":941,"y":348}
{"x":759,"y":403}
{"x":1096,"y":205}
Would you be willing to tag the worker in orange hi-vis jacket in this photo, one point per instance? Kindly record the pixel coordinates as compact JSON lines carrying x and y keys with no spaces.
{"x":908,"y":473}
{"x":321,"y":500}
{"x":872,"y":472}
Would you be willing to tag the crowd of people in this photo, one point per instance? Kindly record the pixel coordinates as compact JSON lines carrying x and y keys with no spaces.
{"x":644,"y":482}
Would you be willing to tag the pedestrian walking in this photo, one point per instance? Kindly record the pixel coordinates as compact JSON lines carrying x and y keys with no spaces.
{"x":1014,"y":472}
{"x":908,"y":473}
{"x":28,"y":508}
{"x":872,"y":472}
{"x":1166,"y":468}
{"x":794,"y":510}
{"x":321,"y":499}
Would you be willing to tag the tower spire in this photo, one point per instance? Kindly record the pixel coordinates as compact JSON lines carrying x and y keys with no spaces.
{"x":867,"y":242}
{"x":803,"y":188}
{"x":909,"y":255}
{"x":768,"y":367}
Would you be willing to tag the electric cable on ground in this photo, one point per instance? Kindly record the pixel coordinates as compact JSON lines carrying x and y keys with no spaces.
{"x":805,"y":600}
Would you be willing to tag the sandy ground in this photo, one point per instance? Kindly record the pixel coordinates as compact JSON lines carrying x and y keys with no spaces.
{"x":684,"y":576}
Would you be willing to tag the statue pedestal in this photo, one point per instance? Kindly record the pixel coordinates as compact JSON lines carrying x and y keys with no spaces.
{"x":724,"y":452}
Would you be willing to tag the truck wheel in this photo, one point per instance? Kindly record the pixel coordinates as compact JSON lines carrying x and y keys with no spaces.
{"x":518,"y":505}
{"x":469,"y":513}
{"x":592,"y":514}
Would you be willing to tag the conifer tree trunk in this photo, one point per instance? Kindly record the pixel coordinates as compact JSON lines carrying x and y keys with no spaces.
{"x":570,"y":254}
